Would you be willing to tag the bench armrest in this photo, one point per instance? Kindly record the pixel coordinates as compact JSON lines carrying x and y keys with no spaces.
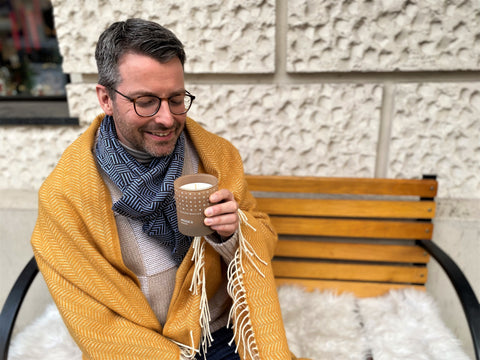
{"x":467,"y":297}
{"x":12,"y":305}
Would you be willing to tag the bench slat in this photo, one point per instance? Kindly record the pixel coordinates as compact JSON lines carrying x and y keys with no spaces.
{"x":341,"y":271}
{"x":360,"y":289}
{"x":359,"y":186}
{"x":349,"y":251}
{"x":348,"y":208}
{"x":352,"y":228}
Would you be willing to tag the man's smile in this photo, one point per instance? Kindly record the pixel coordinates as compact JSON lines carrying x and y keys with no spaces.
{"x":163,"y":135}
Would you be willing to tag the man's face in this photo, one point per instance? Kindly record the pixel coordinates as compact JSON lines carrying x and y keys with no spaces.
{"x":142,"y":75}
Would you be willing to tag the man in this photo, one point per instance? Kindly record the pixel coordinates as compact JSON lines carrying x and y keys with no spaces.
{"x":128,"y":284}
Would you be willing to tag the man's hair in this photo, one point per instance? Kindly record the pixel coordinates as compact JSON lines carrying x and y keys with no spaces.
{"x":133,"y":36}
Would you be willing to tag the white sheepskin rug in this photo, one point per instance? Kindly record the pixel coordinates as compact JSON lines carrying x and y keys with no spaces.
{"x":320,"y":325}
{"x":404,"y":324}
{"x":46,"y":338}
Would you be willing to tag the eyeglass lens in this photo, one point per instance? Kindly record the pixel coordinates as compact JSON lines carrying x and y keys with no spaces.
{"x":149,"y":105}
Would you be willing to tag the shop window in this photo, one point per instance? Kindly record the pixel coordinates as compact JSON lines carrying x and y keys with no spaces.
{"x":30,"y":61}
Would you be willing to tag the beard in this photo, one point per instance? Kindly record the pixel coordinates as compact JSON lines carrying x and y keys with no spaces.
{"x":151,"y":138}
{"x":158,"y":147}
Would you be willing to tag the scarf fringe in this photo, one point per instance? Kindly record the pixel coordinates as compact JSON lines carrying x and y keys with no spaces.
{"x":239,"y":312}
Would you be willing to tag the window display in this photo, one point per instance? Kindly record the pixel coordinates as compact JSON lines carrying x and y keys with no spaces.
{"x":30,"y":62}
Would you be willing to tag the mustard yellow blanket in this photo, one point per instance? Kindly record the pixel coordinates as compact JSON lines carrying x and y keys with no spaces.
{"x":77,"y":248}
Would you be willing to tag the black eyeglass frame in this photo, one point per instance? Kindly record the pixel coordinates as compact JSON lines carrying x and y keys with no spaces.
{"x":133,"y":100}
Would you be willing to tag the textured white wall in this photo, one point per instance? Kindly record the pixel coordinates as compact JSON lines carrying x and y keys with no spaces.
{"x":308,"y":87}
{"x":296,"y":129}
{"x":238,"y":37}
{"x":383,"y":35}
{"x":436,"y":128}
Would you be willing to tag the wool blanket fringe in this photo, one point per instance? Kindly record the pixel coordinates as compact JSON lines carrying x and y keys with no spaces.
{"x":199,"y":284}
{"x":239,"y":312}
{"x":187,"y":352}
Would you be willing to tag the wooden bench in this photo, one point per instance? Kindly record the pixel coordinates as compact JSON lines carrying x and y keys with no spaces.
{"x":365,"y":236}
{"x":356,"y":235}
{"x":360,"y":235}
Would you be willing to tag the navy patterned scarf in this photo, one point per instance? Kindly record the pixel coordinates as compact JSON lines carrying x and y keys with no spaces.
{"x":147,"y":189}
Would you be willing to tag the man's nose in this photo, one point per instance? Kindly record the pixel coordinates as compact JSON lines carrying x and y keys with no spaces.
{"x":164,"y":116}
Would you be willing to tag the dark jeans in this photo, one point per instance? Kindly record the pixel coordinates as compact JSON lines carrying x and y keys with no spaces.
{"x":220,"y":350}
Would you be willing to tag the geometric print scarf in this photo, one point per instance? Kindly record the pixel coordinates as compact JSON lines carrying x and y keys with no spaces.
{"x":147,"y":190}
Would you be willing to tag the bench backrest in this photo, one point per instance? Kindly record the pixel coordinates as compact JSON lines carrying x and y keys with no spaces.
{"x":348,"y":234}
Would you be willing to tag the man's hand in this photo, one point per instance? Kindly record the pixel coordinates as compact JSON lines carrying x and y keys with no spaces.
{"x":222,"y":216}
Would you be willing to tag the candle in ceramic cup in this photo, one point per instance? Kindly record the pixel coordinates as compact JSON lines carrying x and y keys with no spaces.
{"x":196,"y":186}
{"x":192,"y":193}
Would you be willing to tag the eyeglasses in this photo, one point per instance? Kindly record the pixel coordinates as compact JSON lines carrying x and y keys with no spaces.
{"x":148,"y":105}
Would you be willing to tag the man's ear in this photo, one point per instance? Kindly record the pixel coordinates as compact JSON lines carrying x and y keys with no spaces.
{"x":104,"y":99}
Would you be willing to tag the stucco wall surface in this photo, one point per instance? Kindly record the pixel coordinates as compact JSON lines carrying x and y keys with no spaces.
{"x":238,"y":36}
{"x":435,"y":130}
{"x":383,"y":35}
{"x":296,"y":129}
